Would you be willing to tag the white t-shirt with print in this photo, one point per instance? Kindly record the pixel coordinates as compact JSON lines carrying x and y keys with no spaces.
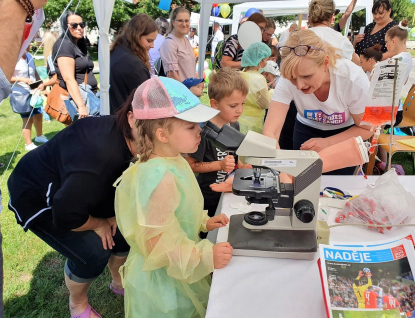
{"x":407,"y":59}
{"x":349,"y":87}
{"x":335,"y":39}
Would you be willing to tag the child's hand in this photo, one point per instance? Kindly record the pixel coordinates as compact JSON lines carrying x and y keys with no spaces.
{"x":222,"y":254}
{"x":244,"y":166}
{"x":217,"y":221}
{"x":221,"y":187}
{"x":228,"y":163}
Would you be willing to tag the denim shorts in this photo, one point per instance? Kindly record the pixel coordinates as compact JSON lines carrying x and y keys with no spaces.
{"x":86,"y":257}
{"x":34,"y":112}
{"x":302,"y":133}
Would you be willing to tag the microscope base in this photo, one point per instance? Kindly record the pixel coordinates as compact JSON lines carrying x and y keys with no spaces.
{"x":294,"y":244}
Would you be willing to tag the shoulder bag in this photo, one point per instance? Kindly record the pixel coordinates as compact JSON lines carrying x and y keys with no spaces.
{"x":92,"y":102}
{"x":55,"y":104}
{"x":19,"y":100}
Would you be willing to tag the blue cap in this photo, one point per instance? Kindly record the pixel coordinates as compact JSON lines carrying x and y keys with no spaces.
{"x":192,"y":81}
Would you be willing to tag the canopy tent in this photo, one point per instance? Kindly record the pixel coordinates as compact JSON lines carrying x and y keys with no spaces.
{"x":274,"y":9}
{"x":195,"y":18}
{"x":103,"y":12}
{"x":206,"y":7}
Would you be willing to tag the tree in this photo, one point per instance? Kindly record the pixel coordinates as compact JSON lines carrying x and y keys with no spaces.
{"x":122,"y":12}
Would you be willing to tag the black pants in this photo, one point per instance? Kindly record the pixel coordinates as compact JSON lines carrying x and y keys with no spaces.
{"x":302,"y":133}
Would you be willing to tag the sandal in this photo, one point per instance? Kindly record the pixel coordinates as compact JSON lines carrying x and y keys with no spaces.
{"x":117,"y":291}
{"x":87,"y":313}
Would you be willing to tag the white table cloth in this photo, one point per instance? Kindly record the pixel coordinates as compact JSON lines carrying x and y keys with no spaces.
{"x":269,"y":287}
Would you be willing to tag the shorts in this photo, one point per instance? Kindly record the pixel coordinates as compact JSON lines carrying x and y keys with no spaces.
{"x":86,"y":257}
{"x":35,"y":111}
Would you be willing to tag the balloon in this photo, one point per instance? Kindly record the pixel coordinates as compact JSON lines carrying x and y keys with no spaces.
{"x":225,"y":9}
{"x":205,"y":65}
{"x":165,"y":5}
{"x":215,"y":11}
{"x":207,"y":74}
{"x":248,"y":33}
{"x":250,"y":12}
{"x":412,"y":34}
{"x":215,"y":5}
{"x":196,"y":51}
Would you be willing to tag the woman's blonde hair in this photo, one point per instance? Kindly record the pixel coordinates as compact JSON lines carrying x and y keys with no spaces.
{"x":320,"y":11}
{"x":290,"y":63}
{"x":146,"y":132}
{"x":49,"y":39}
{"x":173,"y":16}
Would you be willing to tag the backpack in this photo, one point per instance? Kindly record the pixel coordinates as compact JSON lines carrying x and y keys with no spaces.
{"x":218,"y":55}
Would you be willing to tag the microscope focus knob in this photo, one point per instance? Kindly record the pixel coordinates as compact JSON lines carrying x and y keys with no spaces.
{"x":304,"y":210}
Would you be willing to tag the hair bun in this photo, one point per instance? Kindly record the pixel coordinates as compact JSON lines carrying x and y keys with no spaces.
{"x":377,"y":47}
{"x":404,"y":23}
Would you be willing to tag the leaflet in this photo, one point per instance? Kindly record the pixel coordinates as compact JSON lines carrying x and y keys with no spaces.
{"x":372,"y":282}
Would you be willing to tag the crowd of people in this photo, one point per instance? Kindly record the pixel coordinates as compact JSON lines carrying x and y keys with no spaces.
{"x":385,"y":293}
{"x":296,"y":91}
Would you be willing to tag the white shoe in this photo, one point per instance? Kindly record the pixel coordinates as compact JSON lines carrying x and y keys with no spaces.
{"x":41,"y":139}
{"x":30,"y":147}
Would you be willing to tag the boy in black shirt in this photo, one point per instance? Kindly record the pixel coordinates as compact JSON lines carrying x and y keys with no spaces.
{"x":227,"y":92}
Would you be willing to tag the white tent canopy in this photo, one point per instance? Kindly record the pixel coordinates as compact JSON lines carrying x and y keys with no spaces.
{"x":195,"y":18}
{"x":103,"y":12}
{"x":281,"y":8}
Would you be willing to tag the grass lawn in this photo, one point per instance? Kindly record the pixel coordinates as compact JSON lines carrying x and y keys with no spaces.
{"x":33,"y":272}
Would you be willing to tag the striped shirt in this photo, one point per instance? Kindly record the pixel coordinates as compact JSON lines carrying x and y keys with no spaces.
{"x":232,"y":48}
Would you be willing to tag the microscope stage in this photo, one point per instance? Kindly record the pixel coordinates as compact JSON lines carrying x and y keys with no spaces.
{"x":295,"y":244}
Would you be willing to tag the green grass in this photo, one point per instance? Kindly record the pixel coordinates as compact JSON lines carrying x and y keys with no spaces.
{"x":33,"y":272}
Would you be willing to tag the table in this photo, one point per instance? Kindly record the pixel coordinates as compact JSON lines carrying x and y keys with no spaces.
{"x":269,"y":287}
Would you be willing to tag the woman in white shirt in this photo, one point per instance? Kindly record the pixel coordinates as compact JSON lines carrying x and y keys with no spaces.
{"x":329,"y":92}
{"x":395,"y":40}
{"x":321,"y":18}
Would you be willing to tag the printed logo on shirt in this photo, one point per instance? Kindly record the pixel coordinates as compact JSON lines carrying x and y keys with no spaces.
{"x":221,"y":175}
{"x":322,"y":117}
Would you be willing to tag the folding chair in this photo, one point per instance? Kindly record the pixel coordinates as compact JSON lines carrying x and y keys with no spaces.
{"x":408,"y":119}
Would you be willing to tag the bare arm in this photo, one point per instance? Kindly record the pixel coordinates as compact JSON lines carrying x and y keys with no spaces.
{"x":12,"y":19}
{"x":67,"y":68}
{"x":228,"y":61}
{"x":226,"y":164}
{"x":347,"y":13}
{"x":277,"y":112}
{"x":174,"y":75}
{"x":355,"y":59}
{"x":318,"y":144}
{"x":386,"y":55}
{"x":203,"y":167}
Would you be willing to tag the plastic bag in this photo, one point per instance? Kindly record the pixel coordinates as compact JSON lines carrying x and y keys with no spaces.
{"x":387,"y":203}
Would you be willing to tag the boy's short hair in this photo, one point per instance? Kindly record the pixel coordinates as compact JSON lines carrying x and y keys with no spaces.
{"x":223,"y":82}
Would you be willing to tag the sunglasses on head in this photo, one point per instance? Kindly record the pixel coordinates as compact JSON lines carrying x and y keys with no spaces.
{"x":75,"y":25}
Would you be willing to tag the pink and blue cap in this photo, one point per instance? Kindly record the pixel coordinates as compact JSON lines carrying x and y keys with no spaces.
{"x":163,"y":97}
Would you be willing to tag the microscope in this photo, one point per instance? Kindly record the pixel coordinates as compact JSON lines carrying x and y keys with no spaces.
{"x":287,"y":226}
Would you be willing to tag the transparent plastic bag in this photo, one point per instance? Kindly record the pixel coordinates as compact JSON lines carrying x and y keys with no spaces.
{"x":387,"y":203}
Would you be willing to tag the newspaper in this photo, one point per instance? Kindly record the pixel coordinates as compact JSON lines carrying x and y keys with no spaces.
{"x":369,"y":281}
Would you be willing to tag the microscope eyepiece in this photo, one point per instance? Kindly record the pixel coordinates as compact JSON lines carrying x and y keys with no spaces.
{"x":225,"y":138}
